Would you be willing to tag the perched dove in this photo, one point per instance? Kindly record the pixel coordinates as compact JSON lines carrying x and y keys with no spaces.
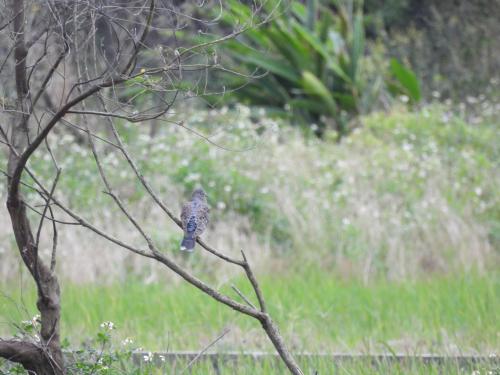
{"x":194,"y":217}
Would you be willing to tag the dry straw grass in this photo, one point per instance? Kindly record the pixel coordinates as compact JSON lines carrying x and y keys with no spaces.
{"x":393,"y":200}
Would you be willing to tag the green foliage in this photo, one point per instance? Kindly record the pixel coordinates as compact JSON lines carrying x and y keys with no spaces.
{"x":312,"y":55}
{"x":446,"y":42}
{"x":390,"y":13}
{"x":459,"y":311}
{"x":101,"y":355}
{"x":403,"y":81}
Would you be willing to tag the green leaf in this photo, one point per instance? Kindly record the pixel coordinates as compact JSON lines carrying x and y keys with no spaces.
{"x":358,"y":44}
{"x":311,"y":13}
{"x":314,"y":86}
{"x":273,"y":65}
{"x":407,"y":79}
{"x":321,"y":48}
{"x":311,"y":105}
{"x":347,"y":101}
{"x":288,"y":45}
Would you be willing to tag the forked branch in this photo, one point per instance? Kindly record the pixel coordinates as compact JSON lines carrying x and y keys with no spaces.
{"x":46,"y":357}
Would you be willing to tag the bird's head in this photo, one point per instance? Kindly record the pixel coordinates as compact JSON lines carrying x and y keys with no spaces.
{"x":199,"y":193}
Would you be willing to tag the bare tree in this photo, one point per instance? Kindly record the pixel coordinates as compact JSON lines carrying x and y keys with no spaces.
{"x":70,"y":63}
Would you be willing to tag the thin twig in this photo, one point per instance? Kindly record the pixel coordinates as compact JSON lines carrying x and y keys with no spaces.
{"x":47,"y":203}
{"x":238,"y":292}
{"x":54,"y":242}
{"x":204,"y":350}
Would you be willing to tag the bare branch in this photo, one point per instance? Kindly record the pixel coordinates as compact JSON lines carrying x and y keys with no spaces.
{"x":117,"y":200}
{"x":49,"y":75}
{"x":47,"y":204}
{"x":131,"y":64}
{"x":255,"y":284}
{"x":207,"y":289}
{"x":23,"y":352}
{"x":54,"y":242}
{"x":20,"y":52}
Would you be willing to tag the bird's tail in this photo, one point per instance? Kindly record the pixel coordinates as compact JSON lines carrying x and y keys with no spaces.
{"x":188,"y":242}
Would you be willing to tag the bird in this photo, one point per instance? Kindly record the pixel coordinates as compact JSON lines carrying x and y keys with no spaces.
{"x":194,"y":217}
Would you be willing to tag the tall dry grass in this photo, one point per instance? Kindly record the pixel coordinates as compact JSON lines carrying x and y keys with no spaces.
{"x":408,"y":195}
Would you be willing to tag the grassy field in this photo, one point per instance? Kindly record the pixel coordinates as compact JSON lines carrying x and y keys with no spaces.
{"x":410,"y":194}
{"x":385,"y":242}
{"x":323,"y":367}
{"x":454,"y":314}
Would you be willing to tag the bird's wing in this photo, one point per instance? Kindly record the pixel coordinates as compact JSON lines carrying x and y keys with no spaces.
{"x":185,"y":214}
{"x":203,"y":216}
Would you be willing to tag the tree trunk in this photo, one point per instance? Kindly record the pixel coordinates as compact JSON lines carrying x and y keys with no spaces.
{"x":45,"y":356}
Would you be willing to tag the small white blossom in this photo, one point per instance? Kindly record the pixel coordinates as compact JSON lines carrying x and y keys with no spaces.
{"x":148,"y":357}
{"x":436,"y":94}
{"x":193,"y":177}
{"x":127,"y":341}
{"x":109,"y":326}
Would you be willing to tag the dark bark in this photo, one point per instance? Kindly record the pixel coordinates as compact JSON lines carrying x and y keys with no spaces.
{"x":28,"y":354}
{"x":46,"y":356}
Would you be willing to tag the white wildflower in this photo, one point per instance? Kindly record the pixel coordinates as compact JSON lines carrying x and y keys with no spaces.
{"x":148,"y":357}
{"x":109,"y":326}
{"x":193,"y":177}
{"x":127,"y":341}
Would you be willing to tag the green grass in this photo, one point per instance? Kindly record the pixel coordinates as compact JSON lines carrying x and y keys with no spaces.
{"x":327,"y":367}
{"x":387,"y":241}
{"x":316,"y":312}
{"x":316,"y":366}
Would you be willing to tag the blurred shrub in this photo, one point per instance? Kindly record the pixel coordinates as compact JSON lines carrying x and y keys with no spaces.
{"x":452,"y":44}
{"x":312,"y":55}
{"x":308,"y":63}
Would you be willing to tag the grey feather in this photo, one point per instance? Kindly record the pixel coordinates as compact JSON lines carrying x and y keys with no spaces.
{"x":195,"y":217}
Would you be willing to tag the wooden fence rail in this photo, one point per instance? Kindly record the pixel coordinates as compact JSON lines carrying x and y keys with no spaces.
{"x":220,"y":358}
